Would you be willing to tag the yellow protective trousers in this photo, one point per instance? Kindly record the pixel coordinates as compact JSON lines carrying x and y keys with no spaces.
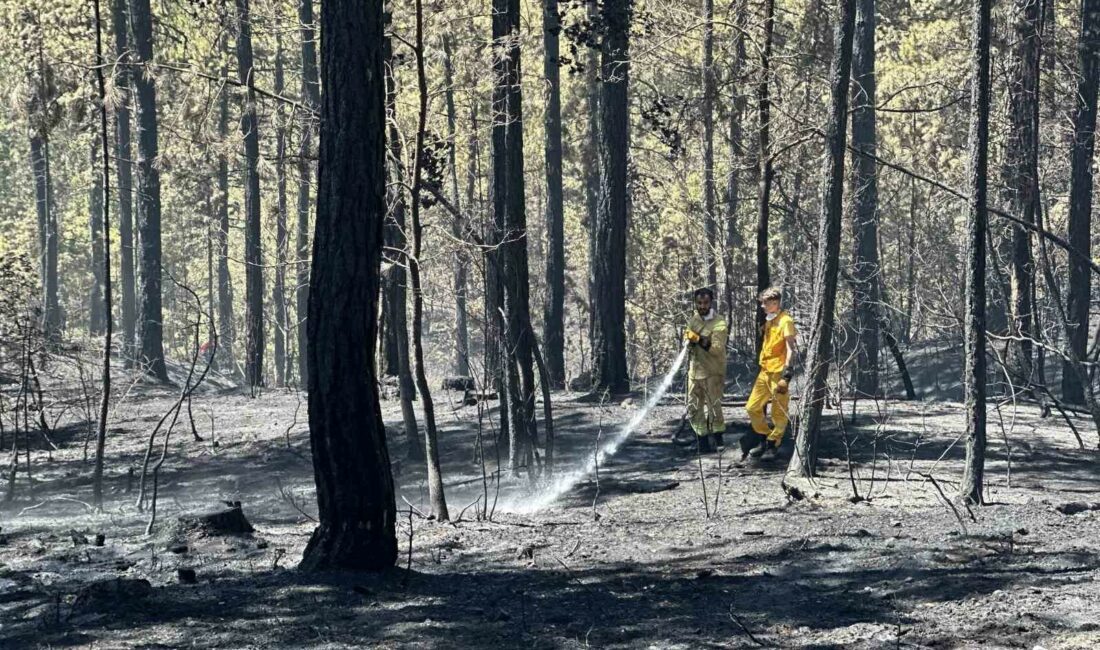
{"x":705,"y":404}
{"x":763,"y":392}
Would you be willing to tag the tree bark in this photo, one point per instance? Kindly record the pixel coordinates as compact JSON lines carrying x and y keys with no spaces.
{"x":736,"y":156}
{"x":710,"y":90}
{"x":1020,"y":175}
{"x":151,"y":330}
{"x":1079,"y":289}
{"x":282,"y":325}
{"x":823,"y":317}
{"x":764,"y":160}
{"x":510,"y":213}
{"x":458,"y":224}
{"x":104,"y":232}
{"x":124,"y":166}
{"x":974,"y":326}
{"x":554,"y":318}
{"x":253,"y":253}
{"x":435,"y":476}
{"x":590,"y":155}
{"x":311,"y":98}
{"x":97,"y":321}
{"x":355,"y":495}
{"x":395,"y":302}
{"x":865,"y":257}
{"x":226,"y":327}
{"x":609,"y":335}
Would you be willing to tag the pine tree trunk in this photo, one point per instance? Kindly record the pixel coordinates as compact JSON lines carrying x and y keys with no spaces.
{"x":764,"y":161}
{"x":355,"y":494}
{"x":736,"y":156}
{"x":1079,"y":289}
{"x":823,"y":316}
{"x":253,"y":253}
{"x":1021,"y":178}
{"x":226,"y":329}
{"x":47,"y":232}
{"x":974,"y":326}
{"x":103,"y":231}
{"x":458,"y":225}
{"x":710,"y":90}
{"x":395,"y":301}
{"x":123,"y":162}
{"x":554,"y":318}
{"x":97,"y":321}
{"x":431,"y":447}
{"x":590,"y":158}
{"x":151,"y":330}
{"x":864,"y":208}
{"x":509,"y":211}
{"x":282,"y":325}
{"x":311,"y":97}
{"x":609,"y":262}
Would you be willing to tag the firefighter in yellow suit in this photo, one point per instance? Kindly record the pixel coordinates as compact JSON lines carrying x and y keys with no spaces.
{"x":777,"y":357}
{"x":706,"y":335}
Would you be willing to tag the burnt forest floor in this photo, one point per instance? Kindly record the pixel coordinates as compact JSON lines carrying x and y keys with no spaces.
{"x":627,"y":557}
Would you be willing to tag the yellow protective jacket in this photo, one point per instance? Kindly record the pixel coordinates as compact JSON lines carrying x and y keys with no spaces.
{"x":712,"y":362}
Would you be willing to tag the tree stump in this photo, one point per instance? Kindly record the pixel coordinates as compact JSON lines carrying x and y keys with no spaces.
{"x":459,"y":383}
{"x":220,"y":521}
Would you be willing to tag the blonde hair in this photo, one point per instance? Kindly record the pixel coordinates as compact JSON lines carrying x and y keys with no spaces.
{"x":771,"y":293}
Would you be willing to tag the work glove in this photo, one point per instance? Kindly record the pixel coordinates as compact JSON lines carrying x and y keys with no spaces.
{"x":704,"y":342}
{"x":691,"y":336}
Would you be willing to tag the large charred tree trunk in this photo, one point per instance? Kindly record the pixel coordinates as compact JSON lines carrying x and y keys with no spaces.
{"x":865,"y":258}
{"x":253,"y":253}
{"x":1080,"y":199}
{"x":123,"y":154}
{"x":554,"y":336}
{"x":151,"y":330}
{"x":458,"y":225}
{"x":609,"y":261}
{"x":1021,"y":179}
{"x":974,"y":378}
{"x":394,"y":304}
{"x":355,"y":495}
{"x":509,"y":211}
{"x":282,"y":325}
{"x":710,"y":90}
{"x":97,"y":314}
{"x":823,"y":316}
{"x":764,"y":160}
{"x":311,"y":97}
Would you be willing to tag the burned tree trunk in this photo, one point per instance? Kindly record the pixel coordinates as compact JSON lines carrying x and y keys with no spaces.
{"x":282,"y":325}
{"x":865,"y":257}
{"x":459,"y":225}
{"x":1020,"y":175}
{"x":1079,"y":289}
{"x":710,"y":89}
{"x":510,"y":213}
{"x":97,"y":314}
{"x":253,"y":253}
{"x":764,"y":159}
{"x":820,"y":348}
{"x":148,"y":191}
{"x":312,"y":99}
{"x":974,"y":379}
{"x":355,"y":495}
{"x":609,"y":261}
{"x":554,"y":336}
{"x":124,"y":165}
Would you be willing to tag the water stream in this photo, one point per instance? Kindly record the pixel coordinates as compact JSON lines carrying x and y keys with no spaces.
{"x":567,"y":478}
